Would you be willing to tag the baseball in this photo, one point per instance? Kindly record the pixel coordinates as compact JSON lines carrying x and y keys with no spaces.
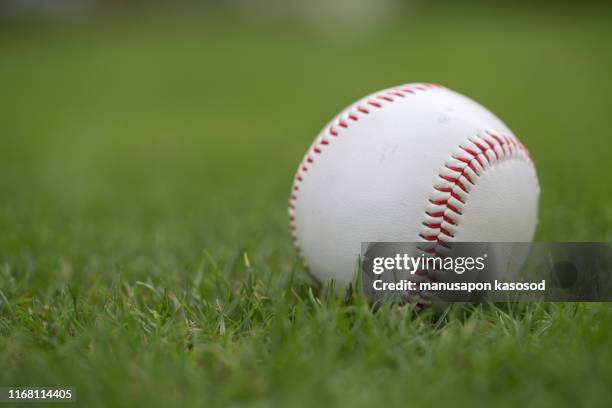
{"x":413,"y":163}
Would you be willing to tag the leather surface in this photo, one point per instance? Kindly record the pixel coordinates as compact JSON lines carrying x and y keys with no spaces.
{"x":374,"y":181}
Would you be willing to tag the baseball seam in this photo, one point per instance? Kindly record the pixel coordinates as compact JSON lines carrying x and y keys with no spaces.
{"x":454,"y":183}
{"x":343,"y":121}
{"x":450,"y":192}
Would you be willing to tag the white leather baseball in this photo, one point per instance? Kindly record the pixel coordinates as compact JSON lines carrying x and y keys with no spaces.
{"x":412,"y":163}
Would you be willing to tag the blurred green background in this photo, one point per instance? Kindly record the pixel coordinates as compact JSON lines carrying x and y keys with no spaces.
{"x":146,"y":155}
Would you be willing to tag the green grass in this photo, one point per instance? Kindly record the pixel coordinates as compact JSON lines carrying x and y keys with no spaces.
{"x":144,"y":250}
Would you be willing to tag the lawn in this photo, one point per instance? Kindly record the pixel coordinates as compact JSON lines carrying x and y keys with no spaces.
{"x":145,"y":166}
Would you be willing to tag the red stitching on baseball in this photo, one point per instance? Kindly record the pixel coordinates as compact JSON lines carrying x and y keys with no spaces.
{"x":448,"y":178}
{"x":449,"y":212}
{"x":457,"y":197}
{"x":432,"y":225}
{"x":454,"y":168}
{"x":448,"y":219}
{"x":453,"y":208}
